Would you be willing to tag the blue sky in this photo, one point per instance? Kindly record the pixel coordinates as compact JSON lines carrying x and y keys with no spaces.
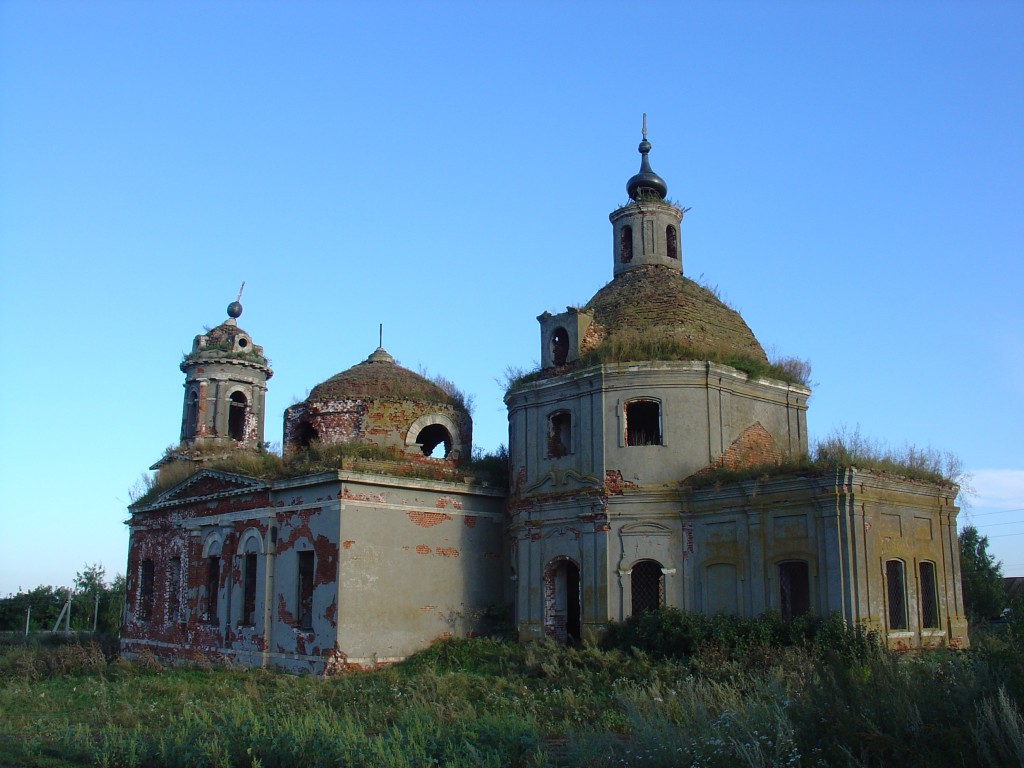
{"x":447,"y":169}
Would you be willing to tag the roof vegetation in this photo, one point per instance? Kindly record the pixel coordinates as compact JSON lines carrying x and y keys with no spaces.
{"x":845,"y":449}
{"x":481,"y":468}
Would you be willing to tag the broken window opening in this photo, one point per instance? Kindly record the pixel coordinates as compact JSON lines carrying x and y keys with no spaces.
{"x":305,"y":590}
{"x":249,"y":590}
{"x":672,"y":242}
{"x":236,"y":416}
{"x":647,"y":586}
{"x":212,"y":587}
{"x":929,"y":597}
{"x":432,"y":436}
{"x":794,"y":589}
{"x":626,"y":244}
{"x":145,"y":611}
{"x":559,"y":346}
{"x":896,"y":591}
{"x":643,"y":422}
{"x":174,"y":589}
{"x":305,"y":434}
{"x":559,"y":434}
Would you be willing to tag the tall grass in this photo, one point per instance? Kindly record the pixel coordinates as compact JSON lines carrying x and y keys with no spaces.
{"x":820,"y":700}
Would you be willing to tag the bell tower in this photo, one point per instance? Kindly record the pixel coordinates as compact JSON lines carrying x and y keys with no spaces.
{"x":225,"y":386}
{"x":646,"y":230}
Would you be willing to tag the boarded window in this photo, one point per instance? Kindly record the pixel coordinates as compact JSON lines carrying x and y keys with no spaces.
{"x":559,"y":346}
{"x":559,"y":434}
{"x":896,"y":591}
{"x":643,"y":422}
{"x":236,"y":416}
{"x":174,"y":589}
{"x":305,"y":590}
{"x":794,"y":589}
{"x":145,"y":611}
{"x":721,"y":585}
{"x":626,"y":244}
{"x":672,"y":242}
{"x":647,"y":586}
{"x":929,"y":597}
{"x":249,"y":590}
{"x":212,"y":587}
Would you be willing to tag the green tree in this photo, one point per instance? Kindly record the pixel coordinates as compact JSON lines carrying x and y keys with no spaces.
{"x":981,"y":576}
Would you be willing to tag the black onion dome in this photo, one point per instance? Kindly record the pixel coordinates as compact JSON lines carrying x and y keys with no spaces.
{"x":379,"y":377}
{"x":646,"y":183}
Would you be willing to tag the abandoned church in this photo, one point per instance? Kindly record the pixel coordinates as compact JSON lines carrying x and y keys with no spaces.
{"x":389,"y":542}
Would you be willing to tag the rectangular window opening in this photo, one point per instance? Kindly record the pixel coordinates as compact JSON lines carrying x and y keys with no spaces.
{"x":559,"y":434}
{"x":305,"y":590}
{"x":146,"y":590}
{"x":643,"y":422}
{"x":174,"y":589}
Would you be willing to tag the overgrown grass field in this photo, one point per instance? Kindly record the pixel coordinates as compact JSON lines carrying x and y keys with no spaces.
{"x":668,"y":689}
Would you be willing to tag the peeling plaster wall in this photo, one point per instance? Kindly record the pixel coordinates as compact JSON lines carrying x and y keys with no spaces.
{"x":397,"y":563}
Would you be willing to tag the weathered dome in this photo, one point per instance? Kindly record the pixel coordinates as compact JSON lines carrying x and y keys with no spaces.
{"x":657,"y":301}
{"x":379,"y":377}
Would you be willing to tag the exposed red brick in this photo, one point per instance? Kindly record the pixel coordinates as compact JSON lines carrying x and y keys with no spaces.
{"x":422,"y":549}
{"x":347,"y":544}
{"x":470,"y":521}
{"x":428,"y":519}
{"x":447,"y":551}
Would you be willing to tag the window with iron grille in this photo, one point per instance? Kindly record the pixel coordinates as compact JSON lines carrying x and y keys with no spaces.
{"x":647,"y":586}
{"x":929,"y":597}
{"x":896,"y":590}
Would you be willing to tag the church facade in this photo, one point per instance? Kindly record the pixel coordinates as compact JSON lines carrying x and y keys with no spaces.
{"x":638,"y":393}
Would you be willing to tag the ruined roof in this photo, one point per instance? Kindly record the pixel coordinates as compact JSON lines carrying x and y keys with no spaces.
{"x":656,"y":300}
{"x":223,"y":332}
{"x":379,"y":377}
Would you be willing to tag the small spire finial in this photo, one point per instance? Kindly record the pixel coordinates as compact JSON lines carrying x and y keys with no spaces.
{"x":644,"y":131}
{"x":235,"y":307}
{"x":380,"y":340}
{"x":239,"y":298}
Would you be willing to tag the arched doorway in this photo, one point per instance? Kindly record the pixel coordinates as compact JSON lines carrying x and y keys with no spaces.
{"x":562,"y":600}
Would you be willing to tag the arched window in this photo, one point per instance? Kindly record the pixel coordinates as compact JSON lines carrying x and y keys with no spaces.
{"x":174,"y":574}
{"x":643,"y":422}
{"x":672,"y":242}
{"x":794,"y":589}
{"x":647,"y":586}
{"x":559,"y":434}
{"x":212,"y":587}
{"x":236,"y":416}
{"x":433,"y":435}
{"x":559,"y":346}
{"x":896,"y":592}
{"x":626,"y":244}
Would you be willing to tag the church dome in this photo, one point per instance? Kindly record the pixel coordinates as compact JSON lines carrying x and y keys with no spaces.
{"x":379,"y":377}
{"x":657,"y":302}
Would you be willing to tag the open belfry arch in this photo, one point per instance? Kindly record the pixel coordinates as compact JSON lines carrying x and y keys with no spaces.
{"x":375,"y":541}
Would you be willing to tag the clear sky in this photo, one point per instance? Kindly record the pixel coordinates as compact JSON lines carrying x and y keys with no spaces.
{"x":447,"y":169}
